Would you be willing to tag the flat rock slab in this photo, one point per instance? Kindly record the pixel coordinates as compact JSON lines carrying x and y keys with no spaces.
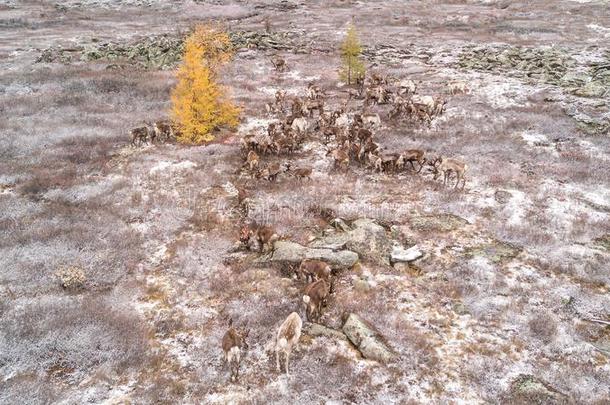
{"x":286,"y":251}
{"x":366,"y":237}
{"x":368,"y":341}
{"x":437,"y":222}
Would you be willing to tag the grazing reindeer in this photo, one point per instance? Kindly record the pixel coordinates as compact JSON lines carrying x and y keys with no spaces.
{"x":252,"y":160}
{"x":313,"y":270}
{"x":411,"y":156}
{"x":264,"y":235}
{"x":163,"y":130}
{"x":287,"y":337}
{"x":233,"y":342}
{"x":139,"y":135}
{"x":302,"y":173}
{"x":448,"y":165}
{"x":271,"y":172}
{"x":314,"y":298}
{"x":279,"y":64}
{"x":340,"y":157}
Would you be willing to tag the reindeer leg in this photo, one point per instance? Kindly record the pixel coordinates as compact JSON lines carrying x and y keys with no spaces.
{"x":287,"y":361}
{"x":277,"y":361}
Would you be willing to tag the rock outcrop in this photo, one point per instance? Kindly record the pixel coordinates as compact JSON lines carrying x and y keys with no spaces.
{"x":368,"y":341}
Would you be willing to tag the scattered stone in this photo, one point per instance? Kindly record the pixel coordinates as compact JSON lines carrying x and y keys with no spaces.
{"x":400,"y":254}
{"x":603,"y":242}
{"x":368,"y":341}
{"x":361,"y":285}
{"x":286,"y":251}
{"x":408,"y":268}
{"x":531,"y":390}
{"x":496,"y":251}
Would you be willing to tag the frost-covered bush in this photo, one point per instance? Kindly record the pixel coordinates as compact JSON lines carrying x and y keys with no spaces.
{"x":71,"y":277}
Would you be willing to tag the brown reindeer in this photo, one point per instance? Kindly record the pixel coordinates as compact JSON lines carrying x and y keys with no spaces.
{"x":312,"y":270}
{"x":287,"y":337}
{"x":252,"y":160}
{"x":163,"y":130}
{"x":448,"y":165}
{"x":340,"y":157}
{"x":139,"y":135}
{"x":233,"y":342}
{"x":309,"y":106}
{"x":302,"y":173}
{"x":315,"y":296}
{"x":264,"y":235}
{"x":270,"y":172}
{"x":279,"y":64}
{"x":411,"y":156}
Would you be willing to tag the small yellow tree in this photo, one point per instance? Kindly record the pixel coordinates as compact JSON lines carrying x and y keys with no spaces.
{"x":353,"y":68}
{"x":199,"y":104}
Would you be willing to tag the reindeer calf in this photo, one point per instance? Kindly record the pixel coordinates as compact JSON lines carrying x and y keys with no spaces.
{"x":287,"y":337}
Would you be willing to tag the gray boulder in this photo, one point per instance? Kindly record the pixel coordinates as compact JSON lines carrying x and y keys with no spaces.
{"x":366,"y":237}
{"x":366,"y":339}
{"x":286,"y":251}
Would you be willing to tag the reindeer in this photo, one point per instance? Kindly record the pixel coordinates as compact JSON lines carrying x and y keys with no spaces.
{"x":271,"y":172}
{"x":287,"y":337}
{"x":279,"y":64}
{"x":139,"y":135}
{"x":264,"y":235}
{"x":233,"y":342}
{"x":302,"y":173}
{"x":297,"y":109}
{"x":300,"y":125}
{"x":368,"y":147}
{"x":313,"y":91}
{"x":340,"y":157}
{"x":309,"y":106}
{"x":280,"y":98}
{"x":458,"y":87}
{"x":314,"y":297}
{"x":406,"y":87}
{"x":329,"y":132}
{"x":312,"y":270}
{"x":163,"y":130}
{"x":385,"y":162}
{"x":371,"y":120}
{"x":448,"y":165}
{"x":252,"y":160}
{"x":411,"y":156}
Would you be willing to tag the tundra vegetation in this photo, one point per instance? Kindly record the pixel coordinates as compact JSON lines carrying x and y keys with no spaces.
{"x":436,"y":231}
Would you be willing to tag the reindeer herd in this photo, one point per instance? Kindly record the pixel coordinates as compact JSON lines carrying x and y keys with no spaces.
{"x":349,"y":136}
